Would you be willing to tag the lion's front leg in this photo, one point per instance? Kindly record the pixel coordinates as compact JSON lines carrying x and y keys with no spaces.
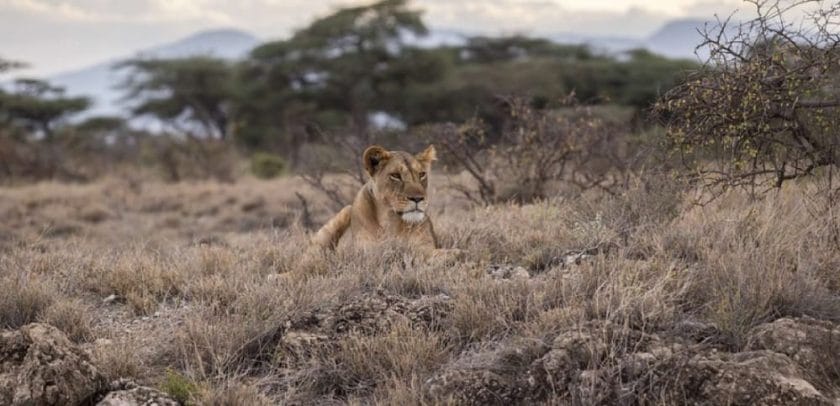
{"x":329,"y":235}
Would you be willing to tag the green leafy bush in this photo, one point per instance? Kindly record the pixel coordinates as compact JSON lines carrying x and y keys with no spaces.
{"x":267,"y":166}
{"x":179,"y":387}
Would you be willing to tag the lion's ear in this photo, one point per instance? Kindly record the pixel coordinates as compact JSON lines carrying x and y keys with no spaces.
{"x":374,"y":157}
{"x":428,"y":155}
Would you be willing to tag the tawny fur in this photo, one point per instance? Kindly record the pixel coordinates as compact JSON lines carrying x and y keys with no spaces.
{"x":391,"y":205}
{"x":331,"y":232}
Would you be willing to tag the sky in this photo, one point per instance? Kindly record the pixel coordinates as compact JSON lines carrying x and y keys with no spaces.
{"x":58,"y":35}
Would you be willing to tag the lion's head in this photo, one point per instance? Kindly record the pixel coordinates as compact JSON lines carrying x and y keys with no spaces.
{"x":400,"y":180}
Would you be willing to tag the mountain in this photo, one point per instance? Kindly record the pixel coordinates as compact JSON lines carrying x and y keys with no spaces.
{"x":677,"y":39}
{"x":100,"y":81}
{"x":605,"y":44}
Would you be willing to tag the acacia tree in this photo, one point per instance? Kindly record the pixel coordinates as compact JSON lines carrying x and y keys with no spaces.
{"x":336,"y":72}
{"x":37,"y":106}
{"x":765,"y":108}
{"x":183,"y":92}
{"x":6,"y":65}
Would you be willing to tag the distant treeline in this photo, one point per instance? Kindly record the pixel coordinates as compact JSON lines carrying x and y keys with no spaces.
{"x":353,"y":69}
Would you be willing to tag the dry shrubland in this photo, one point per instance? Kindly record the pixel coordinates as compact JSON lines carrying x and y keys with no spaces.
{"x":192,"y":288}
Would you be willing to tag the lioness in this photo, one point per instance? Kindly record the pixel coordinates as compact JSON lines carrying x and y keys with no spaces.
{"x":392,"y":204}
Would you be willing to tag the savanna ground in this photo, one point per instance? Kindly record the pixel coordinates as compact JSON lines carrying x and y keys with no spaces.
{"x":191,"y":287}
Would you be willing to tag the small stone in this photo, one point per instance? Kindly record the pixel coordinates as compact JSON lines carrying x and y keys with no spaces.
{"x":519,"y":273}
{"x":127,"y":393}
{"x":110,"y":299}
{"x":508,"y":272}
{"x":40,"y":366}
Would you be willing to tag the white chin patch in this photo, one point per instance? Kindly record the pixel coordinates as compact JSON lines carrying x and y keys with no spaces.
{"x":414,"y":217}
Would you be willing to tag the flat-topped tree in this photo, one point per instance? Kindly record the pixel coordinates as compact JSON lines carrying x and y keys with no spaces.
{"x":193,"y":95}
{"x":38,"y":106}
{"x":338,"y":70}
{"x":6,"y":65}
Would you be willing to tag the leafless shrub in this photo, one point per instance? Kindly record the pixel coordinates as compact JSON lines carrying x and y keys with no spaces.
{"x":190,"y":158}
{"x":537,"y":152}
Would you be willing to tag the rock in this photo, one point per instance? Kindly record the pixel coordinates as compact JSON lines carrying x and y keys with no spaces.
{"x":574,"y":258}
{"x":127,"y":393}
{"x":813,"y":344}
{"x":697,"y":375}
{"x":697,"y":331}
{"x":474,"y":387}
{"x":370,"y":313}
{"x":574,"y":352}
{"x":755,"y":377}
{"x":603,"y":363}
{"x":110,"y":299}
{"x":429,"y":311}
{"x":496,"y":377}
{"x":508,"y":272}
{"x":295,"y":346}
{"x":40,"y":366}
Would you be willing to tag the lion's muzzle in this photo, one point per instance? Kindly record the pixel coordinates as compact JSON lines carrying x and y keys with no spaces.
{"x":415,"y":214}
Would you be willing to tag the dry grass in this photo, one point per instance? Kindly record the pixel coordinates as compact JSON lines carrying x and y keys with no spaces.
{"x":205,"y":288}
{"x":72,"y":316}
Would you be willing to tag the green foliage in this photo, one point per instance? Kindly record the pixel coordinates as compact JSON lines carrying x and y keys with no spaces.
{"x":543,"y":74}
{"x":198,"y":90}
{"x":6,"y":65}
{"x":335,"y":74}
{"x":101,"y":123}
{"x":37,"y":106}
{"x":337,"y":71}
{"x":485,"y":50}
{"x":765,"y":110}
{"x":267,"y":166}
{"x":179,"y":387}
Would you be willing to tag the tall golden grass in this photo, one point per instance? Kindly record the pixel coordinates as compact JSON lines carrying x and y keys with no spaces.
{"x":173,"y":284}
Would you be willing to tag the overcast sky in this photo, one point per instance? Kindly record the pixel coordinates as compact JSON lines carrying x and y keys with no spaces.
{"x":57,"y":35}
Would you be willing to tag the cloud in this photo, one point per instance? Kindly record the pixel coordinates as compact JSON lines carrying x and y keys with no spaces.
{"x":57,"y":35}
{"x":539,"y":17}
{"x":60,"y":34}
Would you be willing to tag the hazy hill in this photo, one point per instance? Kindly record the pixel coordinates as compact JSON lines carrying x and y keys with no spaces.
{"x":677,"y":38}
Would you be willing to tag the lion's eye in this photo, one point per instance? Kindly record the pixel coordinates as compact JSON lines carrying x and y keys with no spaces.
{"x":396,"y":176}
{"x":422,"y":175}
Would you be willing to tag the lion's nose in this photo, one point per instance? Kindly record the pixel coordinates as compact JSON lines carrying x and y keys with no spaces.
{"x":416,"y":199}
